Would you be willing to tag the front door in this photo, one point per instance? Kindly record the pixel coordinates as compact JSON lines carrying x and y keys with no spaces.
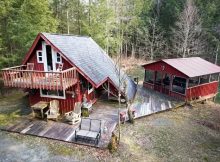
{"x":49,"y":58}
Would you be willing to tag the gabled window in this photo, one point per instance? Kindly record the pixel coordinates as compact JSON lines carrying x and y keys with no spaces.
{"x":59,"y":59}
{"x":39,"y":56}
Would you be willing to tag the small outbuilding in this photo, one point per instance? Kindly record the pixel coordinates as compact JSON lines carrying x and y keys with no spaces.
{"x":183,"y":78}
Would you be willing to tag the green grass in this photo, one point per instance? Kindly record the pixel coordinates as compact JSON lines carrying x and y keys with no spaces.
{"x":217,"y":99}
{"x":12,"y":107}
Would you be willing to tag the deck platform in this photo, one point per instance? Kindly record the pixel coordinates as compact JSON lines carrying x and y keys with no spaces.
{"x":59,"y":131}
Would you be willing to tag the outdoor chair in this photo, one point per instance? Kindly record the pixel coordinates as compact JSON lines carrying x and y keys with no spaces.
{"x":53,"y":111}
{"x":89,"y":130}
{"x":30,"y":66}
{"x":60,"y":67}
{"x":74,"y":116}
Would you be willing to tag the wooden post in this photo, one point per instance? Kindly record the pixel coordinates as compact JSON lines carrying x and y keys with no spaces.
{"x":61,"y":81}
{"x":108,"y":91}
{"x":145,"y":74}
{"x":155,"y":77}
{"x":32,"y":82}
{"x":161,"y":82}
{"x":187,"y":84}
{"x":171,"y":83}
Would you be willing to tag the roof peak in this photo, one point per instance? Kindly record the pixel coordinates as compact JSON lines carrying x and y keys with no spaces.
{"x":72,"y":35}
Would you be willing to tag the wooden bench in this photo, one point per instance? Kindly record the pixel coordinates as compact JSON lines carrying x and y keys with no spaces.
{"x":89,"y":130}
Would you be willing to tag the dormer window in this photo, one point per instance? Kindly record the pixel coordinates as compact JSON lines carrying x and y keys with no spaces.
{"x":39,"y":57}
{"x":59,"y":60}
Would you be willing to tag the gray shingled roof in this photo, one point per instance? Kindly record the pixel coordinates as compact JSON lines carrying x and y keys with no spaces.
{"x":88,"y":56}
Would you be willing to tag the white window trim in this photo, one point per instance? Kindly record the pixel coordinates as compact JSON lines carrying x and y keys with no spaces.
{"x":57,"y":53}
{"x":53,"y":96}
{"x":90,"y":90}
{"x":37,"y":53}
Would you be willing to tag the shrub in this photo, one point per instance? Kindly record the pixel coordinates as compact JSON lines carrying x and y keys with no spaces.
{"x":85,"y":113}
{"x":113,"y":144}
{"x":130,"y":116}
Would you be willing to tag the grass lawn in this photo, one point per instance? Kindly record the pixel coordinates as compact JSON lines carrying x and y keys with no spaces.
{"x":12,"y":107}
{"x":184,"y":134}
{"x":217,"y":100}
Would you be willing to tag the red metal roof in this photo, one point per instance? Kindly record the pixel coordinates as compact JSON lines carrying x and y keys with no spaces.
{"x":192,"y":66}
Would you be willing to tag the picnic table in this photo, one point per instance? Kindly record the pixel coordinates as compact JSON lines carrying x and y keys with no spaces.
{"x":39,"y":106}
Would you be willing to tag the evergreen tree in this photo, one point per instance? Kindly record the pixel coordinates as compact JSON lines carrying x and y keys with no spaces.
{"x":33,"y":17}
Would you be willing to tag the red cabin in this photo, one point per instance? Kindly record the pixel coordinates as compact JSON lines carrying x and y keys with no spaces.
{"x":67,"y":68}
{"x":183,"y":78}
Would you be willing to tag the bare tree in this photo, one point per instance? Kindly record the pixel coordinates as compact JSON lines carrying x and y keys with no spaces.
{"x":187,"y":36}
{"x":151,"y":42}
{"x":121,"y":88}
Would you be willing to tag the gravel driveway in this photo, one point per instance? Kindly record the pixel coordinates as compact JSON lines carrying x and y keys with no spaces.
{"x":12,"y":150}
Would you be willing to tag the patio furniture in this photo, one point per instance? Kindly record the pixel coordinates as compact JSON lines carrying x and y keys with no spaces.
{"x":39,"y":107}
{"x":87,"y":106}
{"x":53,"y":111}
{"x":60,"y":67}
{"x":74,"y":116}
{"x":89,"y":130}
{"x":30,"y":66}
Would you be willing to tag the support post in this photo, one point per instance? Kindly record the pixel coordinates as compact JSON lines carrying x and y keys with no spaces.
{"x":171,"y":83}
{"x":199,"y":81}
{"x":108,"y":90}
{"x":209,"y":78}
{"x":145,"y":74}
{"x":187,"y":84}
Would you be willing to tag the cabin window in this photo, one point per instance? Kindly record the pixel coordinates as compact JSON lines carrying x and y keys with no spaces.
{"x":149,"y":76}
{"x":90,"y":88}
{"x":39,"y":57}
{"x":179,"y":85}
{"x":59,"y":60}
{"x":214,"y":77}
{"x":52,"y":93}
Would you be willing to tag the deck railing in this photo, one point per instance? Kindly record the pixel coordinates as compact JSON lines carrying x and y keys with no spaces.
{"x":19,"y":77}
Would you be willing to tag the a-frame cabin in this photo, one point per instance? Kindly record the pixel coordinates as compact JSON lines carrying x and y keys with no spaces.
{"x":67,"y":68}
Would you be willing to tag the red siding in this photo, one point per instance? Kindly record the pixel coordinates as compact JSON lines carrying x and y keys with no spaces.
{"x":66,"y":105}
{"x":177,"y":96}
{"x":164,"y":68}
{"x":202,"y":90}
{"x":40,"y":66}
{"x":148,"y":85}
{"x":33,"y":58}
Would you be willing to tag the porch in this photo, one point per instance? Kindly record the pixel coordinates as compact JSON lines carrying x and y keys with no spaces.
{"x":20,"y":77}
{"x":179,"y":87}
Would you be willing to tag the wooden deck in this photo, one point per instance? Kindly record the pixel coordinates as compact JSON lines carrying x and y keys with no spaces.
{"x":59,"y":131}
{"x":21,"y":78}
{"x":149,"y":102}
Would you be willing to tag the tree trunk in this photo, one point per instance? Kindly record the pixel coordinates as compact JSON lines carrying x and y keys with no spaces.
{"x":216,"y":55}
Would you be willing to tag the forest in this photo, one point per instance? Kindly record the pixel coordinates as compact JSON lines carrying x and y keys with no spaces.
{"x":145,"y":29}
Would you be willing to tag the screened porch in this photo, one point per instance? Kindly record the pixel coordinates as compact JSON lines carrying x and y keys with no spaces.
{"x":181,"y":87}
